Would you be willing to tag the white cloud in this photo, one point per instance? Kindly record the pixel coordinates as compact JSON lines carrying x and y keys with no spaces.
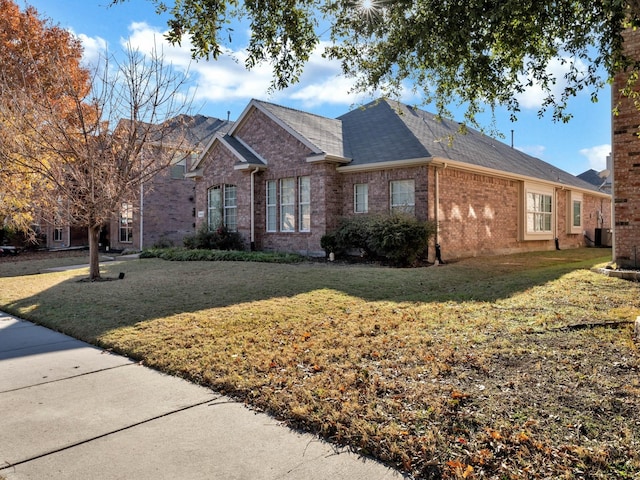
{"x":537,"y":151}
{"x":94,"y":49}
{"x":534,"y":96}
{"x":597,"y":156}
{"x":227,"y":79}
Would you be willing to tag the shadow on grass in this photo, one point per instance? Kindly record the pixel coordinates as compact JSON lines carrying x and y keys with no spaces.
{"x":155,"y":289}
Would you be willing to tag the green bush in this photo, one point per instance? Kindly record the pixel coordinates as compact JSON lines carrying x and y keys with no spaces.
{"x":219,"y":239}
{"x":399,"y":239}
{"x":207,"y":255}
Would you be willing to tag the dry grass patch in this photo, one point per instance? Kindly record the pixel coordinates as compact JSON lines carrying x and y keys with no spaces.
{"x":472,"y":370}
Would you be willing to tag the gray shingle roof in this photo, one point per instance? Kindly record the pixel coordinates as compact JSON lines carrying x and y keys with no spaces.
{"x":200,"y":129}
{"x":243,"y":151}
{"x":384,"y":131}
{"x":324,"y":133}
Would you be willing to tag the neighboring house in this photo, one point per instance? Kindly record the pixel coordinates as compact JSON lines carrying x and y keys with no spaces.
{"x":626,"y":167}
{"x":164,"y":211}
{"x":283,"y":178}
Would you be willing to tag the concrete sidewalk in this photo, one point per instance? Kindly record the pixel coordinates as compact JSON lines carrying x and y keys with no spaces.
{"x":72,"y":411}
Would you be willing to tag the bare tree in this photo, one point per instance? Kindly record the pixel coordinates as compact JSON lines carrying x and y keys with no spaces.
{"x":110,"y":140}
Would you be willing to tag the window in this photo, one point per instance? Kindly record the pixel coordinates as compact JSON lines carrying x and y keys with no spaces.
{"x":214,"y":208}
{"x":57,"y":234}
{"x":126,"y":222}
{"x":178,"y":170}
{"x":272,"y":206}
{"x":403,"y":196}
{"x":539,"y":212}
{"x":222,"y":207}
{"x":304,"y":203}
{"x":577,"y":218}
{"x":575,"y":213}
{"x":287,"y":205}
{"x":361,"y":198}
{"x":231,"y":208}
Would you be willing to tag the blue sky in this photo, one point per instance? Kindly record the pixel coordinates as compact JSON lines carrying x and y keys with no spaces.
{"x":225,"y":86}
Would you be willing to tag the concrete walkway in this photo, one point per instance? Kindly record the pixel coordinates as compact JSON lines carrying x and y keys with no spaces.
{"x":69,"y":411}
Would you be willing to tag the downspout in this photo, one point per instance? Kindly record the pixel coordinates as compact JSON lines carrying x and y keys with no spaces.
{"x":612,"y":173}
{"x":554,"y":207}
{"x":253,"y":210}
{"x":436,"y":203}
{"x":141,"y":215}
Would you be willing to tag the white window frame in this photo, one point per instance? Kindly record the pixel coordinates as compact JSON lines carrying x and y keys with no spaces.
{"x":361,"y":198}
{"x":125,"y":230}
{"x":57,"y":233}
{"x":402,"y":196}
{"x":535,"y":218}
{"x":230,"y":207}
{"x":215,"y":217}
{"x":288,"y":204}
{"x":575,"y":199}
{"x":272,"y":206}
{"x":222,"y":207}
{"x":304,"y":204}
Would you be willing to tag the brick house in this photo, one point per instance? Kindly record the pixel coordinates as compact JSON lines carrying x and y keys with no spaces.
{"x":164,"y":210}
{"x":626,"y":167}
{"x":282,"y":178}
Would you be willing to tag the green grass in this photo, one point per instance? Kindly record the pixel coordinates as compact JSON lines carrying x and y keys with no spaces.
{"x":472,"y":369}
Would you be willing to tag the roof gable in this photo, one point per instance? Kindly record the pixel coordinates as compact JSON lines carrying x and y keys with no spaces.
{"x":320,"y":134}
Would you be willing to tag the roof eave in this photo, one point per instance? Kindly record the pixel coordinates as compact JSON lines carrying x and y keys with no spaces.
{"x":249,"y":167}
{"x":328,"y":158}
{"x":368,"y":167}
{"x":195,"y":174}
{"x":446,"y":162}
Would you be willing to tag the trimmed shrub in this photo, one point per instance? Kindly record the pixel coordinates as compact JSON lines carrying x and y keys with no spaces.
{"x":186,"y":255}
{"x":219,"y":239}
{"x":401,"y":240}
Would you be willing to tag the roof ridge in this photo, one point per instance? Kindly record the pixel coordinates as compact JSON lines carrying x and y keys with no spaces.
{"x":311,"y":114}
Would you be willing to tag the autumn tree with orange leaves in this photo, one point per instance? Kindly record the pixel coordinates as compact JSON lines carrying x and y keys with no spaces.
{"x":33,"y":52}
{"x":88,"y":138}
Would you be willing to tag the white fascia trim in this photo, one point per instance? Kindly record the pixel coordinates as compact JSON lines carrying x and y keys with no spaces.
{"x":216,"y":136}
{"x":249,"y":166}
{"x":445,"y":162}
{"x":194,"y":173}
{"x":325,"y":157}
{"x":370,"y":167}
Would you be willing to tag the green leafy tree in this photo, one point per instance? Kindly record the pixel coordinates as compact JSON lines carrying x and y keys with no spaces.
{"x":478,"y":53}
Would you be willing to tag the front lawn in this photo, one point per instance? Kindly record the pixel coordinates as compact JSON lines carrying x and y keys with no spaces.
{"x":518,"y":366}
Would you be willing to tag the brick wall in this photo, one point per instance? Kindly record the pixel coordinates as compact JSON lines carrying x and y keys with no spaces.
{"x":168,"y":210}
{"x":481,"y":214}
{"x":626,"y":167}
{"x":378,"y":182}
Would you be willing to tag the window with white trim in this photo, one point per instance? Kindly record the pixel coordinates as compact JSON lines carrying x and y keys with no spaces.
{"x":402,"y":194}
{"x":214,"y":207}
{"x":126,"y":222}
{"x":539,"y":212}
{"x":575,"y":213}
{"x":272,"y":206}
{"x":231,"y":207}
{"x":222,"y":207}
{"x":287,"y":205}
{"x":360,"y":198}
{"x":304,"y":204}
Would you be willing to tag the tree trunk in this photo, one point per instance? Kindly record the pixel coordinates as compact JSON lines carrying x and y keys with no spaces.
{"x":94,"y":253}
